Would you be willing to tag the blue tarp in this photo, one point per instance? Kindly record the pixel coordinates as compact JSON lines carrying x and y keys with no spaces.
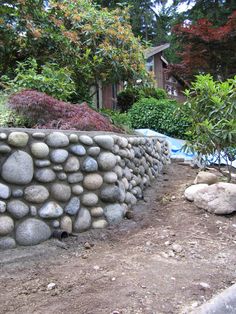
{"x":176,"y":146}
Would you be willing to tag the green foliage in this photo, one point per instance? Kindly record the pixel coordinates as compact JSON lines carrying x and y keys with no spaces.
{"x":119,"y":119}
{"x":157,"y":93}
{"x":159,"y":115}
{"x":49,"y":79}
{"x":9,"y":118}
{"x":211,"y":106}
{"x":95,"y":44}
{"x":130,"y":95}
{"x":127,"y":97}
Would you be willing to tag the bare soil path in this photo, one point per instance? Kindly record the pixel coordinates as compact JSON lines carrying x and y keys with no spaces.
{"x":169,"y":258}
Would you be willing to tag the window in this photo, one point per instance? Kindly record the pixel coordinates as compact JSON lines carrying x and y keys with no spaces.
{"x":150,"y":64}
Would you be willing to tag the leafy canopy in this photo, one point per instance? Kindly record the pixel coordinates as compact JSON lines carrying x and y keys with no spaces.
{"x":96,"y":44}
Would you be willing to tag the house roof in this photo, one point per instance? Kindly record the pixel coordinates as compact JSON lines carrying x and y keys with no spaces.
{"x":154,"y":50}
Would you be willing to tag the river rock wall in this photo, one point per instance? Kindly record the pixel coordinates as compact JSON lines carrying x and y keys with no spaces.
{"x":72,"y":181}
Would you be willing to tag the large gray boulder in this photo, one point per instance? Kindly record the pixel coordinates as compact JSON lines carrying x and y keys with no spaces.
{"x":104,"y":141}
{"x":51,"y":210}
{"x":106,"y":161}
{"x":206,"y":177}
{"x":18,"y":168}
{"x":83,"y":220}
{"x":57,"y":139}
{"x":219,"y":198}
{"x":6,"y":225}
{"x":32,"y":231}
{"x":7,"y":243}
{"x":190,"y":192}
{"x":17,"y":209}
{"x":73,"y":206}
{"x":114,"y":213}
{"x":36,"y":194}
{"x":111,"y":193}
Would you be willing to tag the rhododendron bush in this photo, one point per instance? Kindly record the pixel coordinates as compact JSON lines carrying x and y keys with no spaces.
{"x":94,"y":44}
{"x":49,"y":113}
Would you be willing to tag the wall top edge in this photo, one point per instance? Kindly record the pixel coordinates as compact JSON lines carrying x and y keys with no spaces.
{"x":90,"y":133}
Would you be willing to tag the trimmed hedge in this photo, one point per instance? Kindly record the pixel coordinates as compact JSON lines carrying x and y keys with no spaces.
{"x":130,"y":95}
{"x":159,"y":115}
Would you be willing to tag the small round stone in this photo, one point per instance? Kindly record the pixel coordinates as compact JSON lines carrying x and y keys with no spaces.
{"x":66,"y":224}
{"x":110,"y":177}
{"x":5,"y":149}
{"x":72,"y":164}
{"x":99,"y":224}
{"x":17,"y":193}
{"x":104,"y":141}
{"x":73,"y":138}
{"x":32,"y":231}
{"x":62,"y":176}
{"x":78,"y":150}
{"x":83,"y":220}
{"x":123,"y":142}
{"x":3,"y":136}
{"x":45,"y":175}
{"x":18,"y":139}
{"x":75,"y":177}
{"x":59,"y":155}
{"x":5,"y":191}
{"x":55,"y":224}
{"x":50,"y":210}
{"x":86,"y":140}
{"x":33,"y":210}
{"x":118,"y":170}
{"x":36,"y":194}
{"x":94,"y":151}
{"x":89,"y":199}
{"x":17,"y":209}
{"x":106,"y":161}
{"x":3,"y":207}
{"x":77,"y":189}
{"x":39,"y":135}
{"x":57,"y":139}
{"x":90,"y":165}
{"x":93,"y":181}
{"x":130,"y":199}
{"x":96,"y":212}
{"x":7,"y":243}
{"x":6,"y":225}
{"x":61,"y":192}
{"x":42,"y":163}
{"x":73,"y":206}
{"x":40,"y":150}
{"x":57,"y":168}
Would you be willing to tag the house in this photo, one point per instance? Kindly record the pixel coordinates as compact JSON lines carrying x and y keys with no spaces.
{"x":106,"y":96}
{"x":157,"y":65}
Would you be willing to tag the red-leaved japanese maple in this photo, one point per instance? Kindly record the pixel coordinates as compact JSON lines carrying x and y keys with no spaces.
{"x":48,"y":112}
{"x":206,"y":49}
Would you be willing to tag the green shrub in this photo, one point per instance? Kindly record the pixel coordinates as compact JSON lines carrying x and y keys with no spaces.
{"x":147,"y":92}
{"x":49,"y":79}
{"x":130,"y":95}
{"x":9,"y":118}
{"x":159,"y":115}
{"x":117,"y":118}
{"x":127,"y":97}
{"x":211,"y":106}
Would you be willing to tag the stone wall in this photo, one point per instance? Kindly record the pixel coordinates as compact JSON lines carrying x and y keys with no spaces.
{"x":72,"y":181}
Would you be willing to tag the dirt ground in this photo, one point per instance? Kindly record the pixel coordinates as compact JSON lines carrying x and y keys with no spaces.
{"x":169,"y":258}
